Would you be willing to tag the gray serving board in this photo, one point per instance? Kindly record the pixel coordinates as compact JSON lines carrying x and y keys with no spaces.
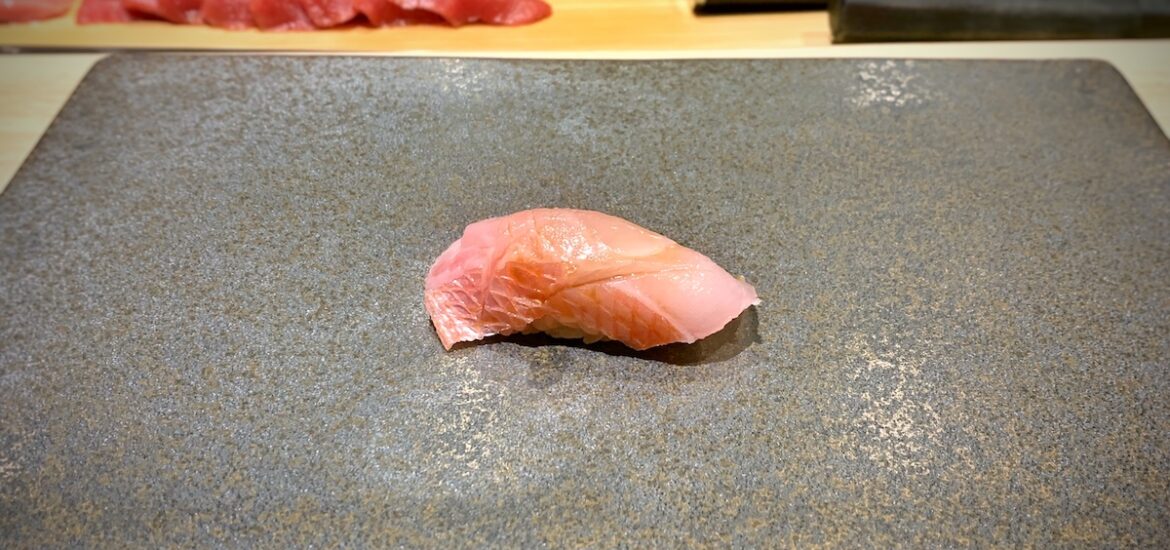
{"x":212,"y":329}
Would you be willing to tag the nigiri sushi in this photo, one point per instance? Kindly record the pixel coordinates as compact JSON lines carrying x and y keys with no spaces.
{"x":578,"y":274}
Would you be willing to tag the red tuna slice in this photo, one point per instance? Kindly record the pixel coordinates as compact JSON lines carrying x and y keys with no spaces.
{"x":104,"y":11}
{"x":21,"y":11}
{"x":280,"y":15}
{"x":228,"y":14}
{"x":578,"y":274}
{"x":496,"y":12}
{"x":175,"y":11}
{"x":386,"y":12}
{"x":328,"y":13}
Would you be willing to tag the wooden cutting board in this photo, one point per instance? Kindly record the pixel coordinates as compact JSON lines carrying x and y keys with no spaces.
{"x":213,"y":331}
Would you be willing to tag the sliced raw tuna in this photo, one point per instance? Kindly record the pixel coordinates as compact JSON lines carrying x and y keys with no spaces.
{"x":328,"y":13}
{"x":280,"y":15}
{"x":103,"y":11}
{"x":298,"y":15}
{"x":385,"y":12}
{"x":20,"y":11}
{"x":496,"y":12}
{"x":228,"y":14}
{"x":175,"y":11}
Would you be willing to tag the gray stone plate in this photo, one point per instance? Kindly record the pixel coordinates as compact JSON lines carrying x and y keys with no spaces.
{"x":212,"y":330}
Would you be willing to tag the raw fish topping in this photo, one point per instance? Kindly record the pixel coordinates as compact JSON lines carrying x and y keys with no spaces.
{"x":314,"y":14}
{"x":578,"y":274}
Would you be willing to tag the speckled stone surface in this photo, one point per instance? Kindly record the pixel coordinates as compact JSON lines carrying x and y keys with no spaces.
{"x":212,"y":330}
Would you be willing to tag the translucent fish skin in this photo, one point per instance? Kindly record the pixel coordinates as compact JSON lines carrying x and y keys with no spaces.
{"x":578,"y":274}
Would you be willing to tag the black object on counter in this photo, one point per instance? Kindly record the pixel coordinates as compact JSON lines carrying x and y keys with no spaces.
{"x":911,"y":20}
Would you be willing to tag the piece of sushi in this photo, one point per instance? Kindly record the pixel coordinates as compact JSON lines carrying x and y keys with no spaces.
{"x":578,"y":274}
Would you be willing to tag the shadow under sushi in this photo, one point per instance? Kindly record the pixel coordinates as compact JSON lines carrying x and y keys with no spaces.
{"x":740,"y":333}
